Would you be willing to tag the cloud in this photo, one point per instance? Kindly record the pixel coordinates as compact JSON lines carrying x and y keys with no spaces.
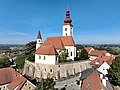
{"x":19,"y":33}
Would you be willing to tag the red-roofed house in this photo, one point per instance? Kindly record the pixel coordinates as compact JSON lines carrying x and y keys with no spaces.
{"x":12,"y":80}
{"x":102,"y":63}
{"x":89,"y":49}
{"x":96,"y":82}
{"x":96,"y":53}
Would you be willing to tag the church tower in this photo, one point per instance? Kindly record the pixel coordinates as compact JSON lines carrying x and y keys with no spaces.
{"x":67,"y":27}
{"x":39,"y":40}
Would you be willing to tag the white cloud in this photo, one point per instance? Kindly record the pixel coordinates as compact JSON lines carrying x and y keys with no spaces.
{"x":19,"y":33}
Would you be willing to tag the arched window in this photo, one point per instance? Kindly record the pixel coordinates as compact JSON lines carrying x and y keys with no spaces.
{"x":44,"y":57}
{"x":71,"y":53}
{"x":39,"y":57}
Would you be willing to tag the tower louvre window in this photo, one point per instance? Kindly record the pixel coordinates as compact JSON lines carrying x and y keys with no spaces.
{"x":65,"y":29}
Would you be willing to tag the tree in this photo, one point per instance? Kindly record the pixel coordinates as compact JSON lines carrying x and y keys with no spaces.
{"x":114,"y":72}
{"x":20,"y":60}
{"x":63,"y":57}
{"x":4,"y":62}
{"x":83,"y":55}
{"x":30,"y":50}
{"x":46,"y":84}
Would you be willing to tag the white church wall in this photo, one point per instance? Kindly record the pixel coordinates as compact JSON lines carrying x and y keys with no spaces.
{"x":46,"y":59}
{"x":71,"y":52}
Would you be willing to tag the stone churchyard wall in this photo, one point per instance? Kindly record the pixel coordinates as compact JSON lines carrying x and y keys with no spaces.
{"x":58,"y":71}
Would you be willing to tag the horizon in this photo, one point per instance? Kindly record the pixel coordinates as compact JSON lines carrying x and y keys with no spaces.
{"x":95,"y":22}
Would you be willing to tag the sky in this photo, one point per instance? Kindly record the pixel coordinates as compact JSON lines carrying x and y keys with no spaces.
{"x":94,"y":21}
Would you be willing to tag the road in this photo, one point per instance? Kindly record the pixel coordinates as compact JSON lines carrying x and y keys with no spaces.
{"x":69,"y":82}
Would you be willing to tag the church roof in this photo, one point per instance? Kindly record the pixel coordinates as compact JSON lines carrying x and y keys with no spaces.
{"x":60,"y":42}
{"x":46,"y":50}
{"x":67,"y":40}
{"x":55,"y":41}
{"x":39,"y":35}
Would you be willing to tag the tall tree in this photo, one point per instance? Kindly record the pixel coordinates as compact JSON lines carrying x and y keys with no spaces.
{"x":114,"y":72}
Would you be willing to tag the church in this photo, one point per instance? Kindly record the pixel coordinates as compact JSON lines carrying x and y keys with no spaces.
{"x":49,"y":51}
{"x":47,"y":55}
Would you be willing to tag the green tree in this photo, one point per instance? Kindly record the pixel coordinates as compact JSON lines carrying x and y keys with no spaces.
{"x":4,"y":62}
{"x":63,"y":57}
{"x":20,"y":60}
{"x":46,"y":84}
{"x":114,"y":72}
{"x":83,"y":55}
{"x":30,"y":50}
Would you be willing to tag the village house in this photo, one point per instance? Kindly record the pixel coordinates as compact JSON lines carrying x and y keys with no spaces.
{"x":96,"y":81}
{"x":93,"y":53}
{"x":12,"y":80}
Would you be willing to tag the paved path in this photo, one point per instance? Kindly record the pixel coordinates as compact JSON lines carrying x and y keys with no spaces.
{"x":68,"y":82}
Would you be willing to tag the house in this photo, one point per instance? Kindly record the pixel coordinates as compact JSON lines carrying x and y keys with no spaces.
{"x":95,"y":53}
{"x":12,"y":80}
{"x":101,"y":59}
{"x":89,"y":49}
{"x":102,"y":63}
{"x":49,"y":51}
{"x":96,"y":81}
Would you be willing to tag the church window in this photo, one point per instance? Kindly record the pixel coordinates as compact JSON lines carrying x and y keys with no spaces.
{"x":45,"y":69}
{"x":65,"y":29}
{"x":56,"y":58}
{"x":71,"y":53}
{"x":66,"y":34}
{"x":39,"y":57}
{"x":39,"y":40}
{"x":51,"y":70}
{"x":67,"y":50}
{"x":44,"y":57}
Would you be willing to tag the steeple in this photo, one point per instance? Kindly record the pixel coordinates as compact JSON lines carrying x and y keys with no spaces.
{"x":39,"y":35}
{"x":67,"y":26}
{"x":39,"y":40}
{"x":67,"y":20}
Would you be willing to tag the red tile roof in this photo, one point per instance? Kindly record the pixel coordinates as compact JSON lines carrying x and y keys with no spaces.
{"x":67,"y":40}
{"x":92,"y":82}
{"x":12,"y":78}
{"x":101,"y":59}
{"x":60,"y":42}
{"x":88,"y":48}
{"x":96,"y":53}
{"x":17,"y":83}
{"x":55,"y":41}
{"x":46,"y":50}
{"x":7,"y":75}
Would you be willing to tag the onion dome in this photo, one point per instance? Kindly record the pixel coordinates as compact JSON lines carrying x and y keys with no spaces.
{"x":67,"y":20}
